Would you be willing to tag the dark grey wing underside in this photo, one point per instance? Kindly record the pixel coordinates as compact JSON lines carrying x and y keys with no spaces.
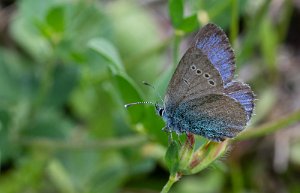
{"x":213,"y":116}
{"x":202,"y":97}
{"x":213,"y":59}
{"x":194,"y":76}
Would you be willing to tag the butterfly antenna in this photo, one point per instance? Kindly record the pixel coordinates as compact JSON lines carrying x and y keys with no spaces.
{"x":156,"y":92}
{"x":138,"y":103}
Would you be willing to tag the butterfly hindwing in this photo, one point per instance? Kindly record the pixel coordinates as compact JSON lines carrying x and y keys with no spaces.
{"x":243,"y":94}
{"x":213,"y":116}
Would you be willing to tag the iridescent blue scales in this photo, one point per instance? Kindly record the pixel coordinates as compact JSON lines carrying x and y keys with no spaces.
{"x":243,"y":94}
{"x":202,"y":98}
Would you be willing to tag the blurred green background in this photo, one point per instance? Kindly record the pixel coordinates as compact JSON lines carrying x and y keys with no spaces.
{"x":67,"y":67}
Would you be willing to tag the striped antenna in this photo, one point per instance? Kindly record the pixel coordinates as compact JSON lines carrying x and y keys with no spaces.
{"x":138,"y":103}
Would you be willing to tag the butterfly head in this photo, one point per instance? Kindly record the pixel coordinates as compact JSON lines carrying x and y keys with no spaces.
{"x":159,"y":109}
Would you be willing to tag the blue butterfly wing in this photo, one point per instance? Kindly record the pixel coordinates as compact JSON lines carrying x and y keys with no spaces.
{"x":243,"y":94}
{"x":192,"y":104}
{"x":213,"y":42}
{"x":213,"y":116}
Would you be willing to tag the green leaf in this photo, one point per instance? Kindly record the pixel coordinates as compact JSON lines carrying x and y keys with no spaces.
{"x":108,"y":51}
{"x":110,"y":176}
{"x":251,"y":37}
{"x":31,"y":166}
{"x":268,"y":44}
{"x":8,"y":148}
{"x":65,"y":80}
{"x":176,"y":12}
{"x":172,"y":158}
{"x":10,"y":74}
{"x":134,"y":40}
{"x":218,"y":12}
{"x":295,"y":153}
{"x":186,"y":152}
{"x":265,"y":104}
{"x":128,"y":93}
{"x":205,"y":155}
{"x":189,"y":24}
{"x":234,"y":27}
{"x":56,"y":19}
{"x":60,"y":177}
{"x":211,"y":181}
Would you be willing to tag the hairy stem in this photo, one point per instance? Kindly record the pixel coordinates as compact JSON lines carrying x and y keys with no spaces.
{"x":171,"y":181}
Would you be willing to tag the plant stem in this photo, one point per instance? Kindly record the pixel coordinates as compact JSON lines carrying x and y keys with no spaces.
{"x":169,"y":184}
{"x":234,"y":21}
{"x":82,"y":144}
{"x":177,"y":39}
{"x":270,"y":127}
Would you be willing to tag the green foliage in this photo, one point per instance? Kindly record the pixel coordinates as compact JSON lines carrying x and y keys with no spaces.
{"x":107,"y":51}
{"x":176,"y":12}
{"x":189,"y":24}
{"x":74,"y":64}
{"x":68,"y":87}
{"x":185,"y":24}
{"x":172,"y":157}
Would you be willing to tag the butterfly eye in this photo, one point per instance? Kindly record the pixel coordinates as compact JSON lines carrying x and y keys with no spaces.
{"x":160,"y":111}
{"x":193,"y":67}
{"x":206,"y":75}
{"x":198,"y":72}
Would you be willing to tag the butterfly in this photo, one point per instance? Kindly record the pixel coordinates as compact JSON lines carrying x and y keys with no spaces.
{"x":202,"y":97}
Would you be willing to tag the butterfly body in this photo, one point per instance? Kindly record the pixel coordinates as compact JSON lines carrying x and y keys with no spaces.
{"x":202,"y":97}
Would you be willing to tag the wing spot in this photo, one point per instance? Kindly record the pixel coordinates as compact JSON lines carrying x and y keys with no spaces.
{"x":193,"y":67}
{"x":211,"y":82}
{"x":186,"y":81}
{"x":206,"y":75}
{"x":198,"y":72}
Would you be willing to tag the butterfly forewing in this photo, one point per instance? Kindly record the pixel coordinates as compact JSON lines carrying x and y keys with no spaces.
{"x":213,"y":42}
{"x":195,"y":76}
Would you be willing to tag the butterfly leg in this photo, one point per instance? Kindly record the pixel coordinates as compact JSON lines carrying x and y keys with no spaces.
{"x":168,"y":130}
{"x":178,"y":138}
